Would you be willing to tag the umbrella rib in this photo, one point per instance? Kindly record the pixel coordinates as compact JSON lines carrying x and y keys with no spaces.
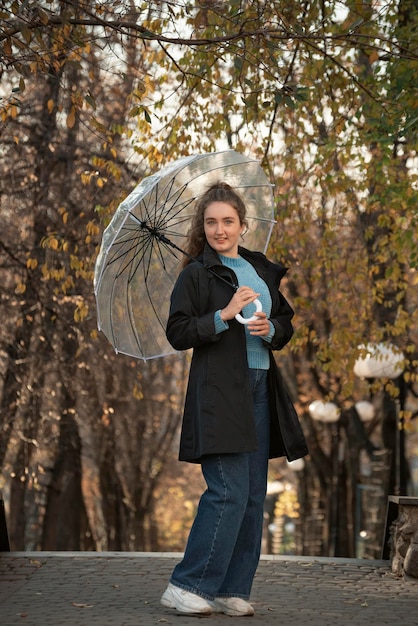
{"x":132,"y":321}
{"x":150,"y":300}
{"x":159,"y":222}
{"x":173,"y":221}
{"x":123,"y":253}
{"x":178,"y":204}
{"x":139,"y":258}
{"x":157,"y":248}
{"x":172,"y":199}
{"x":140,"y":246}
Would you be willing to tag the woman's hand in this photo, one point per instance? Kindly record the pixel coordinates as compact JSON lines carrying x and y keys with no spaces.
{"x":261,"y":326}
{"x":240,"y":299}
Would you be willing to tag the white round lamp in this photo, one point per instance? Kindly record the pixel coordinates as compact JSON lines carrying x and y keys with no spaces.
{"x":365,"y":410}
{"x":324,"y":411}
{"x":379,"y":361}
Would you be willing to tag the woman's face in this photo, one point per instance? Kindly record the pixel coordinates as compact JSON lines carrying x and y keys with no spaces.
{"x":222,"y":228}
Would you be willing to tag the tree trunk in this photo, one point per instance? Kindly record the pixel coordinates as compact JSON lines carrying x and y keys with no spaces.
{"x":63,"y":514}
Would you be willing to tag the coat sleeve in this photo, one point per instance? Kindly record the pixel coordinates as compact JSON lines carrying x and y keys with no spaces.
{"x":281,"y":312}
{"x":281,"y":318}
{"x":189,"y":323}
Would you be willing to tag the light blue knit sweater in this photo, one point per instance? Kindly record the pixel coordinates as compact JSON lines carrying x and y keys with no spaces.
{"x":257,"y":353}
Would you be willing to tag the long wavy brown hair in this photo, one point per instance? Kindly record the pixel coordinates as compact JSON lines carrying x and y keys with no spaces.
{"x":218,"y":192}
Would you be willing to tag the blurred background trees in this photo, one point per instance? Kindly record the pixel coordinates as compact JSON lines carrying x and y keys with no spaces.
{"x":96,"y":96}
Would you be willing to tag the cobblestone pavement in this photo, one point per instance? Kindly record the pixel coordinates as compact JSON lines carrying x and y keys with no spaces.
{"x":123,"y":589}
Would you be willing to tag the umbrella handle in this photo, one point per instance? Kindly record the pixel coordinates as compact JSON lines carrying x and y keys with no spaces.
{"x":246,"y":320}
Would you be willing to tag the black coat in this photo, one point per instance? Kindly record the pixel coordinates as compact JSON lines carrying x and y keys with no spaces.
{"x":218,"y":416}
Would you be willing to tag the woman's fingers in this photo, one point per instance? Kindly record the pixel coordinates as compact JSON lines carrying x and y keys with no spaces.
{"x":260,"y":326}
{"x":240,"y":299}
{"x":246,"y":295}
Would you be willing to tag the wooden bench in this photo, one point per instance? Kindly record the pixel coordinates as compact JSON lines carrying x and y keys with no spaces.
{"x":400,"y":542}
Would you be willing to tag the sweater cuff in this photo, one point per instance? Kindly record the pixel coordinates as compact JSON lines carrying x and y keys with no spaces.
{"x":220,"y":325}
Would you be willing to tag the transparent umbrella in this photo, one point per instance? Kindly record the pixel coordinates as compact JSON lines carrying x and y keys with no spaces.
{"x":141,"y":250}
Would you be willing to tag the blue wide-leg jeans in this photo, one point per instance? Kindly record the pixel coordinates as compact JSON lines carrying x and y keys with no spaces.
{"x":224,"y":544}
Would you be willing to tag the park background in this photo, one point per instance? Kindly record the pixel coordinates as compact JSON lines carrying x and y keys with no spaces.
{"x":95,"y":96}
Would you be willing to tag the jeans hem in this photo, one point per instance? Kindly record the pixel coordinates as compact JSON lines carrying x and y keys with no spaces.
{"x":196,"y":592}
{"x":225,"y":596}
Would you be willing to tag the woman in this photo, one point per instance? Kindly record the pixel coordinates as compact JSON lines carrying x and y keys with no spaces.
{"x":237,"y":414}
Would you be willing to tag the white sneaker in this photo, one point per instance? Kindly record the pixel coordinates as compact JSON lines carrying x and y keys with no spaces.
{"x":232,"y":606}
{"x":184,"y":601}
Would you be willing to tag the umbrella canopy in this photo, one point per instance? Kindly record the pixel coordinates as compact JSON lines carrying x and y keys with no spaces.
{"x":141,"y":251}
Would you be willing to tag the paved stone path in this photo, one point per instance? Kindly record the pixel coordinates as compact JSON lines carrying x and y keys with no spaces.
{"x":123,"y":589}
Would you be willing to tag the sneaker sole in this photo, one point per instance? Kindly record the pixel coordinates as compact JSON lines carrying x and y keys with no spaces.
{"x":206,"y":612}
{"x":168,"y":604}
{"x":237,"y":613}
{"x":226,"y":611}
